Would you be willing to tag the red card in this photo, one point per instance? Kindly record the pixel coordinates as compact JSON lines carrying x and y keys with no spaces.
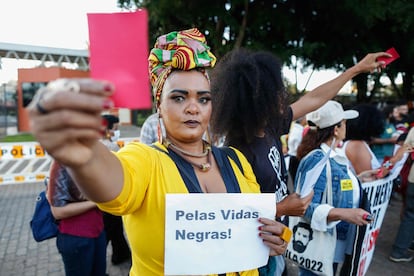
{"x":388,"y":60}
{"x":119,"y":53}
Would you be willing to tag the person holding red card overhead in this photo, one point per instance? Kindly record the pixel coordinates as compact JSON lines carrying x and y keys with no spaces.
{"x":134,"y":181}
{"x":259,"y":113}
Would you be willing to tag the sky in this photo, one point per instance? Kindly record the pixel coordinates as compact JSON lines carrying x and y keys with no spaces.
{"x":50,"y":23}
{"x":63,"y":24}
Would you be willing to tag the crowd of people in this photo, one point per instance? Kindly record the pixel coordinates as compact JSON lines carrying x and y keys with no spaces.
{"x":379,"y":133}
{"x":203,"y":108}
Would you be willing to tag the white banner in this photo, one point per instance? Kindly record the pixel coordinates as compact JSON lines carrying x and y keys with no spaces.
{"x":215,"y":233}
{"x":379,"y":193}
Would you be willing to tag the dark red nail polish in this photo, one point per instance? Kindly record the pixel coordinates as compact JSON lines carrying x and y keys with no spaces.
{"x":107,"y":104}
{"x":108,"y":87}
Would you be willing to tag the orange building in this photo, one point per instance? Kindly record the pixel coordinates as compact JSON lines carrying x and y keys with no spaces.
{"x":30,"y":80}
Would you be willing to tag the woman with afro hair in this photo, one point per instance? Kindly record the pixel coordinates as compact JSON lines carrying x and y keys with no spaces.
{"x":251,"y":110}
{"x":359,"y":134}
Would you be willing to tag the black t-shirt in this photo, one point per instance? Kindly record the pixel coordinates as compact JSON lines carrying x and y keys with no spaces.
{"x":268,"y":164}
{"x":267,"y":160}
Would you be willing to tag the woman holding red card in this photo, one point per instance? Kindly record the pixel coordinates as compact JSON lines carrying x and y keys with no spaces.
{"x":133,"y":182}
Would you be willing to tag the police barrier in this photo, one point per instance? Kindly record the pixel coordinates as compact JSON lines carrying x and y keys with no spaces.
{"x":29,"y":162}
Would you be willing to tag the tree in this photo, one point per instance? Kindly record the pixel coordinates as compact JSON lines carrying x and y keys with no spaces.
{"x":227,"y":24}
{"x":352,"y":28}
{"x":321,"y":33}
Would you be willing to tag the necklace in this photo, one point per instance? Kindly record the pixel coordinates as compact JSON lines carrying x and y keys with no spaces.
{"x":206,"y":149}
{"x":204,"y":167}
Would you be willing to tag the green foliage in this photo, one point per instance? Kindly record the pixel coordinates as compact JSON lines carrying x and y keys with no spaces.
{"x":21,"y":137}
{"x":141,"y":116}
{"x":322,"y":33}
{"x":141,"y":119}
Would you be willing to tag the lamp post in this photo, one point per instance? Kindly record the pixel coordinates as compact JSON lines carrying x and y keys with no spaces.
{"x":4,"y":111}
{"x":5,"y":107}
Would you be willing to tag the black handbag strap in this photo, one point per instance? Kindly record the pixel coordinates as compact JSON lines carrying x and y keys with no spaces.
{"x":189,"y":177}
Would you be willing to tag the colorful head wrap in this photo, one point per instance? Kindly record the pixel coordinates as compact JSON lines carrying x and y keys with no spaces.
{"x":183,"y":50}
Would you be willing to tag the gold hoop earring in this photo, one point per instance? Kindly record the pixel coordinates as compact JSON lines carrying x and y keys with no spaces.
{"x":159,"y":130}
{"x":208,"y":135}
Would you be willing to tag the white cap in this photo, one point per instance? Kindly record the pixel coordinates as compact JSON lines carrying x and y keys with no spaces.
{"x":330,"y":114}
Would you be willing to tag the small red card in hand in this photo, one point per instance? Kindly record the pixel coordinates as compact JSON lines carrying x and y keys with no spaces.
{"x":388,"y":60}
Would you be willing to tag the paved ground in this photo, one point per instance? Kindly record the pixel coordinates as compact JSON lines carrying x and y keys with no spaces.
{"x":21,"y":255}
{"x":129,"y":131}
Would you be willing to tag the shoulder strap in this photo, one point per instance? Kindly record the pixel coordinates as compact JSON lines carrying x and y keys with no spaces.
{"x":190,"y":179}
{"x":233,"y":155}
{"x":186,"y":173}
{"x":327,"y":194}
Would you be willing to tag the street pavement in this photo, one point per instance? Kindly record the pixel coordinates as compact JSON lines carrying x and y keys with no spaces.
{"x":21,"y":255}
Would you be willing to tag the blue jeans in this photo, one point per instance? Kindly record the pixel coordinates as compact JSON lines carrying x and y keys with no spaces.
{"x":405,"y":234}
{"x":83,"y":256}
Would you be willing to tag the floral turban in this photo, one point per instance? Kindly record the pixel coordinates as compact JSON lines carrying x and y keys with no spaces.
{"x":183,"y":50}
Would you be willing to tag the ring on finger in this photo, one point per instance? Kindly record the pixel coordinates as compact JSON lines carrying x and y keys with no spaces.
{"x":64,"y":85}
{"x":40,"y":108}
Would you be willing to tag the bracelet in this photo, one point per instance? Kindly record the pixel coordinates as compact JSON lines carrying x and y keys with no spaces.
{"x":388,"y":165}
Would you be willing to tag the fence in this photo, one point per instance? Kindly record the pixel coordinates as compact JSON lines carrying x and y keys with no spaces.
{"x":28,"y":162}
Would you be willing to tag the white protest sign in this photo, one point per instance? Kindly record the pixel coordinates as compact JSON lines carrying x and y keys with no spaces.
{"x":215,"y":233}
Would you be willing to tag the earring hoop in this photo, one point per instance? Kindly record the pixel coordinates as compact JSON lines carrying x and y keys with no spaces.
{"x":159,"y":130}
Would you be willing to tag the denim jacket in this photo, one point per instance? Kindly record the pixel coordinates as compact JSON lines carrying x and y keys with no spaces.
{"x":341,"y":197}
